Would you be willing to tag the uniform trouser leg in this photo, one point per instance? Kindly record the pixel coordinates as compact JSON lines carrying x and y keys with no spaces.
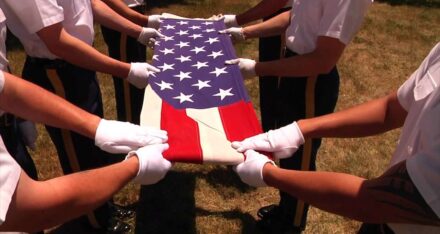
{"x":301,"y":98}
{"x":12,"y":137}
{"x":129,"y":99}
{"x":269,"y":49}
{"x":80,"y":87}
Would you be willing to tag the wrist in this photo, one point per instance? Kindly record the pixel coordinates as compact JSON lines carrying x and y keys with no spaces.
{"x":245,"y":33}
{"x":133,"y":165}
{"x":268,"y":173}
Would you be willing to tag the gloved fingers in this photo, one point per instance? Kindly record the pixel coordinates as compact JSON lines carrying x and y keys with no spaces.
{"x":232,"y":61}
{"x":151,"y":43}
{"x":284,"y":153}
{"x":159,"y":35}
{"x":152,"y":68}
{"x":156,"y":132}
{"x":113,"y":148}
{"x":225,"y":31}
{"x":258,"y":142}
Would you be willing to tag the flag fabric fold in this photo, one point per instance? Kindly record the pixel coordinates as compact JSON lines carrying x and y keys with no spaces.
{"x":199,"y":100}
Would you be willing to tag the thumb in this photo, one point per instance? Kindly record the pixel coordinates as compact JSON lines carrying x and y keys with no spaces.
{"x":232,"y":61}
{"x":152,"y":68}
{"x":163,"y":147}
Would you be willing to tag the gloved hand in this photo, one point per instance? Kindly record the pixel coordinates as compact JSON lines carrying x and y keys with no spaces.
{"x":152,"y":166}
{"x":122,"y":137}
{"x":148,"y":34}
{"x":154,"y":21}
{"x":235,"y":32}
{"x":251,"y":170}
{"x":139,"y":73}
{"x":283,"y":141}
{"x":230,"y":21}
{"x":247,"y":66}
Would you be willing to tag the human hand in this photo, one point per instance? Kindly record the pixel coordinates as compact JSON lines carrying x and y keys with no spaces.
{"x":139,"y":73}
{"x":251,"y":170}
{"x":152,"y":166}
{"x":122,"y":137}
{"x":148,"y":34}
{"x":235,"y":32}
{"x":247,"y":66}
{"x":230,"y":21}
{"x":283,"y":141}
{"x":154,"y":21}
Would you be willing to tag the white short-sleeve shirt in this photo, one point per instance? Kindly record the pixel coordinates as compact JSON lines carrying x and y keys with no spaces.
{"x":3,"y":60}
{"x":9,"y":175}
{"x":26,"y":19}
{"x":133,"y":3}
{"x":419,"y":142}
{"x":339,"y":19}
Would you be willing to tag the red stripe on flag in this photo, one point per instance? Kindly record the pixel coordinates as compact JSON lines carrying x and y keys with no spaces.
{"x":183,"y":135}
{"x":239,"y":121}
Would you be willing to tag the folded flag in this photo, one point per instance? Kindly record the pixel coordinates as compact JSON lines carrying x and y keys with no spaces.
{"x":199,"y":100}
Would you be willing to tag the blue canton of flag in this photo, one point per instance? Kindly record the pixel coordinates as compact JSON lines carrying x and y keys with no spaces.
{"x":192,"y":63}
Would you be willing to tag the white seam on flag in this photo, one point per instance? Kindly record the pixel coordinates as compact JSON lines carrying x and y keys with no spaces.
{"x":215,"y":146}
{"x":151,"y":102}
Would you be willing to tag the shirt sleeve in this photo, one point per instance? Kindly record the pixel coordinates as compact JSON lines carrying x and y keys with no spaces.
{"x":36,"y":14}
{"x":412,"y":88}
{"x":342,"y":18}
{"x":9,"y":175}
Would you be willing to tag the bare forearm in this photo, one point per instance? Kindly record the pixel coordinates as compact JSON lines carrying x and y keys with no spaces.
{"x":46,"y":204}
{"x":263,"y":9}
{"x":121,"y":8}
{"x":368,"y":119}
{"x":76,"y":51}
{"x":393,"y":194}
{"x":275,"y":26}
{"x":106,"y":16}
{"x":31,"y":102}
{"x":319,"y":61}
{"x":333,"y":192}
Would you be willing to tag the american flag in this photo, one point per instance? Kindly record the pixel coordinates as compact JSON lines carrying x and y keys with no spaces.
{"x":199,"y":100}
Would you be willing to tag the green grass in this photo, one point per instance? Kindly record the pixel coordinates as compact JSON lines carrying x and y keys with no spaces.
{"x":210,"y":199}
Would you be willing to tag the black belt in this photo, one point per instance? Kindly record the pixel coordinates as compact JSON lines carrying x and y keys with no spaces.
{"x":47,"y":62}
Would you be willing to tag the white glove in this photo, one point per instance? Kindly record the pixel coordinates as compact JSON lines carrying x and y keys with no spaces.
{"x":148,"y":34}
{"x":139,"y":73}
{"x":154,"y":21}
{"x":230,"y":21}
{"x":122,"y":137}
{"x":247,"y":66}
{"x":152,"y":166}
{"x":235,"y":32}
{"x":283,"y":141}
{"x":251,"y":170}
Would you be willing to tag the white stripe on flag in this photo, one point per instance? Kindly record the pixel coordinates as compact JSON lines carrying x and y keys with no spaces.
{"x":215,"y":145}
{"x":151,"y":102}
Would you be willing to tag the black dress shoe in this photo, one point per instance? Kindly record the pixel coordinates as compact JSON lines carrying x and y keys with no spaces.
{"x":268,"y":211}
{"x":273,"y":220}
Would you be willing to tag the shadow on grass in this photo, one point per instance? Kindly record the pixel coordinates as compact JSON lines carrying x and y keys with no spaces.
{"x":169,"y":206}
{"x":419,"y":3}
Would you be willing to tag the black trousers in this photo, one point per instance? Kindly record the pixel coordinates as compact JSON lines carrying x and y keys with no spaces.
{"x":80,"y":87}
{"x":13,"y":139}
{"x":290,"y":99}
{"x":129,"y":99}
